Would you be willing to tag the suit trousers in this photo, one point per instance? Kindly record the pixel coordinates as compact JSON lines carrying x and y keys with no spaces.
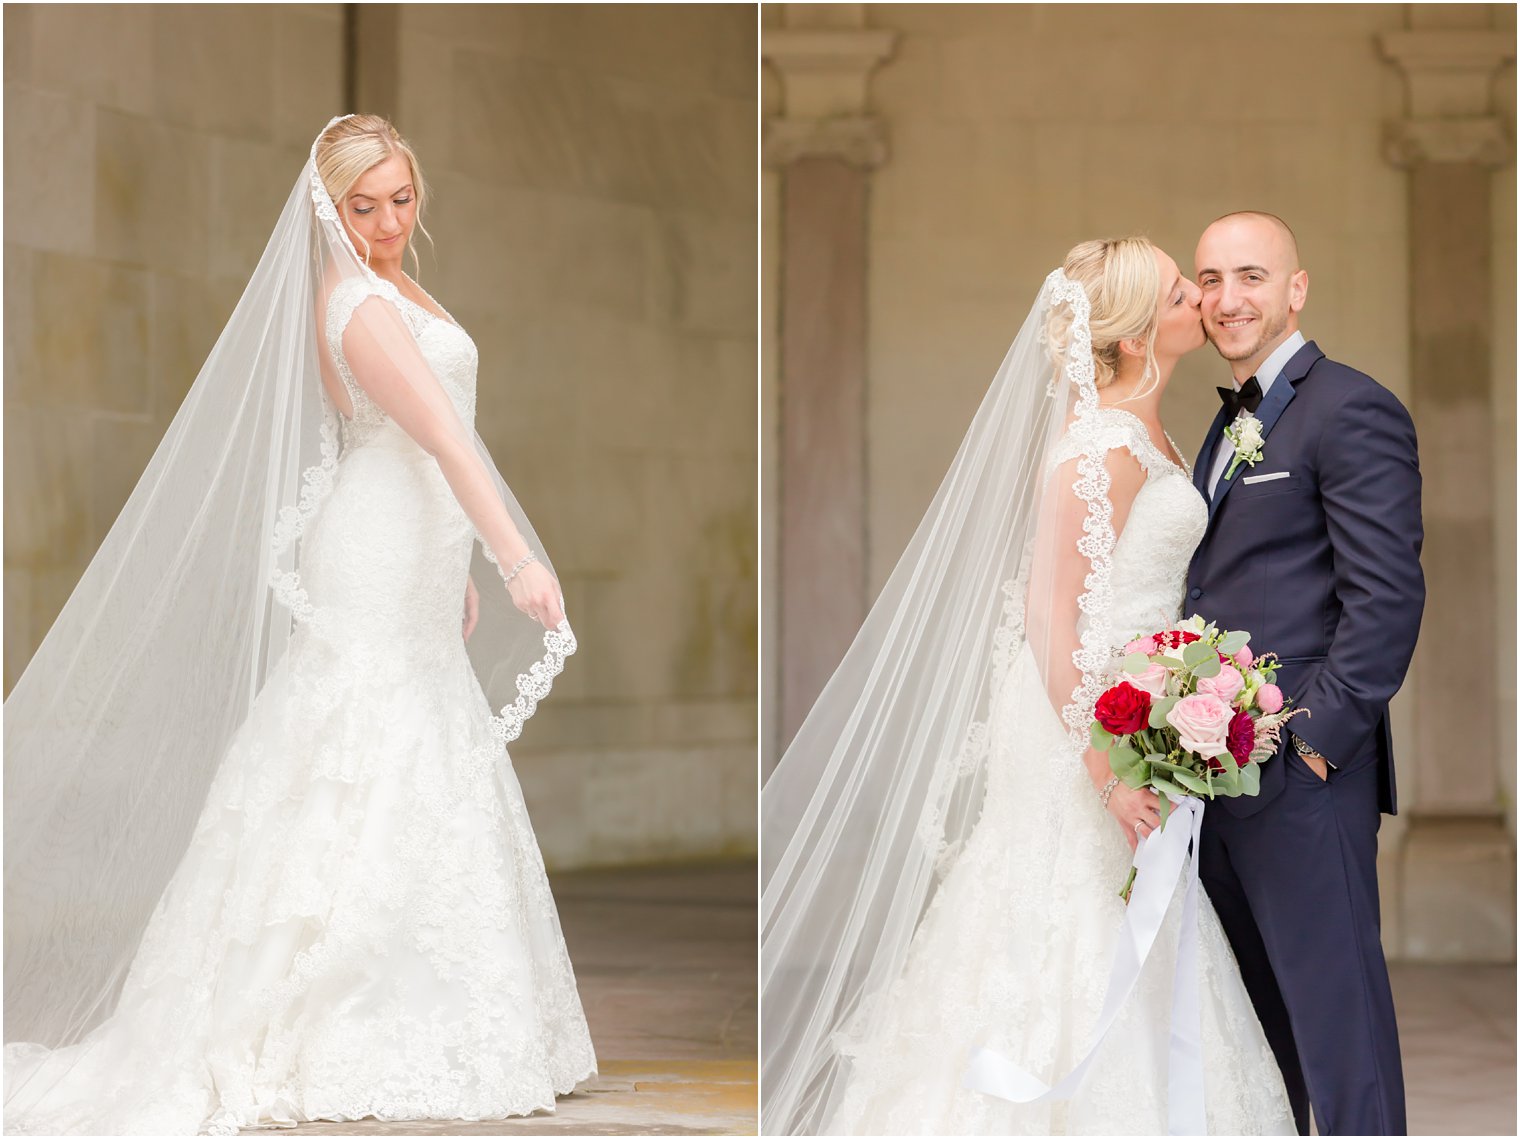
{"x":1295,"y":887}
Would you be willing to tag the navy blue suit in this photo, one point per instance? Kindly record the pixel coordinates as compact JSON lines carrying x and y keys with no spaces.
{"x":1322,"y":567}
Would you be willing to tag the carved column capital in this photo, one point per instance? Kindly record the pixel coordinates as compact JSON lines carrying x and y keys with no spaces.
{"x":1480,"y":140}
{"x":1449,"y":79}
{"x":825,"y":75}
{"x":860,"y":140}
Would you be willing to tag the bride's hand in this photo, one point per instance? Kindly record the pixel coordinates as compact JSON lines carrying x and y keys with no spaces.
{"x":471,"y":607}
{"x":536,"y":593}
{"x":1137,"y":812}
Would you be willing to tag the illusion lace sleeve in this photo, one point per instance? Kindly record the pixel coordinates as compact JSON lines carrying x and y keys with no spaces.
{"x":390,"y":369}
{"x":1087,"y":502}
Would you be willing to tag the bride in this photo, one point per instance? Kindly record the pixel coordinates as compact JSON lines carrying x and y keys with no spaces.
{"x":942,"y":850}
{"x":266,"y":858}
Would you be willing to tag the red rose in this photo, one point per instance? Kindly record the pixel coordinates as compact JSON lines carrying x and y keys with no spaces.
{"x":1176,"y":638}
{"x":1123,"y":709}
{"x":1242,"y":738}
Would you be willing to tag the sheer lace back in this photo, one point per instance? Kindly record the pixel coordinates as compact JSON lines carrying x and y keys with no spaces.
{"x":446,"y":345}
{"x":1147,"y":563}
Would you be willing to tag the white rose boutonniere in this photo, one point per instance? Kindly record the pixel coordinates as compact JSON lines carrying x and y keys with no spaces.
{"x":1246,"y":437}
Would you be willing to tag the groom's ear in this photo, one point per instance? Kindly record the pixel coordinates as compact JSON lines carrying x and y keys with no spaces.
{"x":1298,"y":290}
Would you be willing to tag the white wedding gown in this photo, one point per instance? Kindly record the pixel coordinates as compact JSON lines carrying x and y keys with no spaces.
{"x":1014,"y":951}
{"x":361,"y":925}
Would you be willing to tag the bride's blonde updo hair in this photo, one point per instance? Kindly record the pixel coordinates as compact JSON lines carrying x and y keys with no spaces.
{"x":1122,"y":283}
{"x":356,"y":144}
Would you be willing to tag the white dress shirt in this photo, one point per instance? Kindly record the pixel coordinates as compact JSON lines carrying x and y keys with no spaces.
{"x":1270,"y":369}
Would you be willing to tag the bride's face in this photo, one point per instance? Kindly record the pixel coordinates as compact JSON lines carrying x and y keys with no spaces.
{"x":380,"y":211}
{"x":1179,"y":316}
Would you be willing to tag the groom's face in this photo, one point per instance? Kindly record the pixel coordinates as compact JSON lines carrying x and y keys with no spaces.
{"x":1252,"y":287}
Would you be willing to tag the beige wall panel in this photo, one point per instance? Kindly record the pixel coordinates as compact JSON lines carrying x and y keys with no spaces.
{"x":49,"y":169}
{"x":770,"y":423}
{"x":1503,"y":427}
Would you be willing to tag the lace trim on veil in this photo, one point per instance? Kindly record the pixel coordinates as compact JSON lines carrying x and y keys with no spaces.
{"x":1086,"y":439}
{"x":317,"y":484}
{"x":1092,"y":487}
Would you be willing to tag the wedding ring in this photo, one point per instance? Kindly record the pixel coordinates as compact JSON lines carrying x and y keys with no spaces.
{"x":1138,"y":824}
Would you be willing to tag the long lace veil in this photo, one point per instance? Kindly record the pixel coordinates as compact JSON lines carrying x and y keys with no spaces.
{"x":883,"y":783}
{"x":117,"y":725}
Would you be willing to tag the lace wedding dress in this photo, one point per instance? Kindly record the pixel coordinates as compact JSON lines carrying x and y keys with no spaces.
{"x":1013,"y":953}
{"x":362,"y":925}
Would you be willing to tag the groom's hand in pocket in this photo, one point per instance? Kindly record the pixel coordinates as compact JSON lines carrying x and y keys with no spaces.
{"x":1315,"y":761}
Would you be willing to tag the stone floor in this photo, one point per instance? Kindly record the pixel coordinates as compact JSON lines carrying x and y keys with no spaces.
{"x":1457,"y":1032}
{"x":665,"y":958}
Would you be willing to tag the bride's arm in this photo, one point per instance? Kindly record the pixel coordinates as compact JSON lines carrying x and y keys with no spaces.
{"x":391,"y":369}
{"x":1057,"y":582}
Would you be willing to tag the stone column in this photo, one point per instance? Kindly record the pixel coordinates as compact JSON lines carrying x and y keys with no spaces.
{"x":825,"y":144}
{"x":372,"y":59}
{"x":1455,"y":897}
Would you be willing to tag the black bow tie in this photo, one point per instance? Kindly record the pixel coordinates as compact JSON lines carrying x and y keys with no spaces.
{"x":1248,"y":397}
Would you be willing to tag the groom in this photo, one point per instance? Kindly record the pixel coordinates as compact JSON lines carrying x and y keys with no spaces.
{"x":1313,"y":545}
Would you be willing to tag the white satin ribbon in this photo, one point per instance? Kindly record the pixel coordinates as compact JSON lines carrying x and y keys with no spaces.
{"x":1159,"y":862}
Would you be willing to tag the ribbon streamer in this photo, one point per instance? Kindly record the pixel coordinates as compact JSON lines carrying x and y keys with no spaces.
{"x":1159,"y":862}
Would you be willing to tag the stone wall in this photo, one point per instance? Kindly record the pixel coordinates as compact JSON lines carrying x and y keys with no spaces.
{"x":141,"y":182}
{"x":593,"y":179}
{"x":1503,"y":424}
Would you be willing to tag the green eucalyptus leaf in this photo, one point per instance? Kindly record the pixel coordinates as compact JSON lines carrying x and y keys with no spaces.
{"x":1207,"y":668}
{"x":1192,"y":782}
{"x":1168,"y":662}
{"x":1250,"y":779}
{"x":1196,"y":653}
{"x":1136,"y":663}
{"x":1162,"y":763}
{"x":1234,"y":642}
{"x":1160,"y":708}
{"x":1227,"y":782}
{"x":1100,"y":736}
{"x":1162,"y":785}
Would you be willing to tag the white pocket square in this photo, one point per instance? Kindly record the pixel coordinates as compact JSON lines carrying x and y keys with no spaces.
{"x":1267,"y":478}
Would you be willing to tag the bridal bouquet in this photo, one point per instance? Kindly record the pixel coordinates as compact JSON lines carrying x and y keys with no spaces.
{"x":1195,"y":713}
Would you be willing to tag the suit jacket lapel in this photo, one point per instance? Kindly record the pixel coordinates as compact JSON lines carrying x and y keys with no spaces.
{"x":1278,"y":396}
{"x":1206,"y":454}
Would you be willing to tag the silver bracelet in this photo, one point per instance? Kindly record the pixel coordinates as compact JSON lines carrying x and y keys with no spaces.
{"x":1108,"y":791}
{"x":522,"y":564}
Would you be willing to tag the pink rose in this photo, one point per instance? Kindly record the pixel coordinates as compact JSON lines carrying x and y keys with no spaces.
{"x":1269,"y":699}
{"x":1202,"y":722}
{"x":1226,"y":686}
{"x":1152,"y":680}
{"x":1244,"y":658}
{"x":1146,"y":645}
